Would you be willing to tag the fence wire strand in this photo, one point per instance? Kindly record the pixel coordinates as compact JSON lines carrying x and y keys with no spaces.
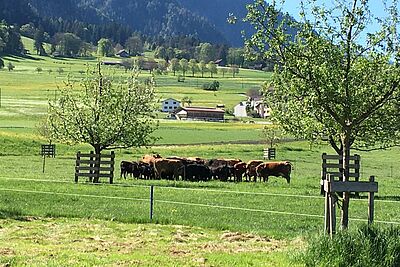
{"x":190,"y":204}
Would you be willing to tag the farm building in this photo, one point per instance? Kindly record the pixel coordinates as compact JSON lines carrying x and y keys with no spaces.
{"x":240,"y":110}
{"x":170,"y":105}
{"x":122,"y":53}
{"x":200,"y":113}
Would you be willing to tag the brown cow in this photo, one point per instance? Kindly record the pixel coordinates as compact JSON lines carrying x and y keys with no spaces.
{"x":239,"y":169}
{"x":274,"y":169}
{"x":168,"y":168}
{"x":251,"y":169}
{"x":197,"y":160}
{"x":149,"y":159}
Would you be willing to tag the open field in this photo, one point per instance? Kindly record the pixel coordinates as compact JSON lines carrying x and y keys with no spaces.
{"x":274,"y":210}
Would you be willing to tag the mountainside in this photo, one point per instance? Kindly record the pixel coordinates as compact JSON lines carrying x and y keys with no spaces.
{"x":217,"y":12}
{"x":151,"y":17}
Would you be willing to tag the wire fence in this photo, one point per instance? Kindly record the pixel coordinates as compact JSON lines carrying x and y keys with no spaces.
{"x":153,"y":198}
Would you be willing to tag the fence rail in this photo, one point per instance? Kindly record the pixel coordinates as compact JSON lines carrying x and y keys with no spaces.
{"x":90,"y":165}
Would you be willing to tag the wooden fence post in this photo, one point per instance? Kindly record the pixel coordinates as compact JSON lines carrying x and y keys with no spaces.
{"x":371,"y":197}
{"x":78,"y":159}
{"x":112,"y":166}
{"x":151,"y":202}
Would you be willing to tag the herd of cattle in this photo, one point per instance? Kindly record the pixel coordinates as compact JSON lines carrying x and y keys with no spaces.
{"x":197,"y":169}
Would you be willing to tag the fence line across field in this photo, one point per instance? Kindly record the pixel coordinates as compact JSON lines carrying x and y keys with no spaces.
{"x":187,"y":204}
{"x":194,"y":189}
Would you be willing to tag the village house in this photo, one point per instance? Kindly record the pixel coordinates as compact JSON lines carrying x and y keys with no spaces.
{"x":122,"y":53}
{"x":170,"y":105}
{"x":240,"y":110}
{"x":200,"y":113}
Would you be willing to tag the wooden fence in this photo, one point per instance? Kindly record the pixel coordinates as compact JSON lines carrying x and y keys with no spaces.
{"x":269,"y":153}
{"x":331,"y":189}
{"x":333,"y":165}
{"x":95,"y":166}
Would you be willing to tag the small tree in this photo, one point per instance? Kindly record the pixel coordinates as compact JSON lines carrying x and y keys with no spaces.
{"x":39,"y":69}
{"x":184,"y":65}
{"x":104,"y":114}
{"x":174,"y":65}
{"x":193,"y":66}
{"x":271,"y":135}
{"x":186,"y":100}
{"x":202,"y":67}
{"x":212,"y":68}
{"x":234,"y":70}
{"x":104,"y":47}
{"x":10,"y":66}
{"x":223,"y":70}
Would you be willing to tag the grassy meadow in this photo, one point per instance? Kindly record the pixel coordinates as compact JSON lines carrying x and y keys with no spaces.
{"x":194,"y":224}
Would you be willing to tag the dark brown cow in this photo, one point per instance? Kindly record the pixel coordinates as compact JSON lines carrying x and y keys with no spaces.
{"x":197,"y":160}
{"x":239,"y":169}
{"x":251,"y":169}
{"x":274,"y":169}
{"x":168,"y":168}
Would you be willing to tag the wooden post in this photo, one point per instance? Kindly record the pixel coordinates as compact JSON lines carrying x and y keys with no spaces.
{"x":332,"y":215}
{"x":91,"y":177}
{"x":323,"y":173}
{"x":327,"y":220}
{"x":151,"y":202}
{"x":44,"y":161}
{"x":78,"y":159}
{"x":371,"y":197}
{"x":112,"y":167}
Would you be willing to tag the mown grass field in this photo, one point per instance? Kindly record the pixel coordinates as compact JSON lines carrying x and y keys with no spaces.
{"x":39,"y":210}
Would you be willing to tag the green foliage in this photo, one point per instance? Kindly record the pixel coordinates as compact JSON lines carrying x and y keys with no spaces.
{"x":104,"y":113}
{"x":67,"y":44}
{"x":193,"y":66}
{"x":205,"y":52}
{"x":184,"y":65}
{"x":10,"y":40}
{"x":1,"y":63}
{"x":235,"y":56}
{"x":213,"y":86}
{"x":174,"y":65}
{"x":212,"y":68}
{"x":134,"y":44}
{"x":10,"y":66}
{"x":367,"y":246}
{"x":104,"y":47}
{"x":329,"y":83}
{"x":39,"y":69}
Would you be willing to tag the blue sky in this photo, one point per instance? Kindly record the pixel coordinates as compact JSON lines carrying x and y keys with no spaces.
{"x":376,"y":7}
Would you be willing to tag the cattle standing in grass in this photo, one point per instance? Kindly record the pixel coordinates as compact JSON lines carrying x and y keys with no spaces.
{"x":196,"y":172}
{"x":274,"y":169}
{"x":146,"y":171}
{"x":239,"y":169}
{"x":251,"y":169}
{"x":131,"y":168}
{"x":168,"y":168}
{"x":149,"y":159}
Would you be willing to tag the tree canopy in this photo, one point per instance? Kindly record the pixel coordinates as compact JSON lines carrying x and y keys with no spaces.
{"x":103,"y":113}
{"x":333,"y":78}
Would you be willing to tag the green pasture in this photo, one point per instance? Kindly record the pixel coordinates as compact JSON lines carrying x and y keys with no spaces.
{"x":277,"y":210}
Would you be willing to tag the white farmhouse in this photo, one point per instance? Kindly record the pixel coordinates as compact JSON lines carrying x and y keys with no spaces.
{"x":240,"y":109}
{"x":170,"y":105}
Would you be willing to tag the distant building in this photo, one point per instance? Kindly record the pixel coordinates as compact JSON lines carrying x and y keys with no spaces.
{"x":240,"y":110}
{"x":170,"y":105}
{"x":200,"y":113}
{"x":122,"y":53}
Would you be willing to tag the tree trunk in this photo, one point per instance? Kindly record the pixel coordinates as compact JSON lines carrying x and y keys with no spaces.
{"x":345,"y":178}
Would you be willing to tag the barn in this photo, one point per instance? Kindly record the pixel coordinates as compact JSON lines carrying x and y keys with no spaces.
{"x":200,"y":113}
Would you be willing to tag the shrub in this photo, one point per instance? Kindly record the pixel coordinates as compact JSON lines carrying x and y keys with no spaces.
{"x":213,"y":86}
{"x":366,"y":246}
{"x":10,"y":66}
{"x":39,"y":69}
